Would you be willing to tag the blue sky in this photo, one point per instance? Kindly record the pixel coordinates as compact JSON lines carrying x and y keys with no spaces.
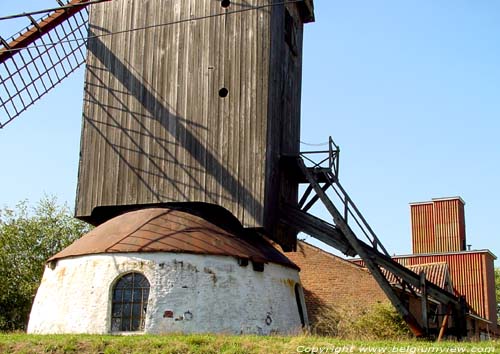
{"x":410,"y":90}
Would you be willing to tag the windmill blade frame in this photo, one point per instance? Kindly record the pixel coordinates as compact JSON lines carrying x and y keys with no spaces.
{"x":39,"y":57}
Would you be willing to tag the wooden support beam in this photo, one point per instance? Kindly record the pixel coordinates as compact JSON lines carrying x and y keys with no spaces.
{"x":444,"y":325}
{"x":306,"y":195}
{"x":316,"y":228}
{"x":425,"y":307}
{"x":332,"y":236}
{"x":362,"y":252}
{"x":343,"y":238}
{"x":413,"y":279}
{"x":315,"y":198}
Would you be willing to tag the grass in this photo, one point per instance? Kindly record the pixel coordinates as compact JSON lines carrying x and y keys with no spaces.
{"x":208,"y":344}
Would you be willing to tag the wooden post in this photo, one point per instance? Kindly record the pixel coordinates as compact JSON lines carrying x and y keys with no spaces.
{"x":425,"y":309}
{"x":444,"y":325}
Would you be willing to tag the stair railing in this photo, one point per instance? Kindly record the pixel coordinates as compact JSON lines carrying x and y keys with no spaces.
{"x":325,"y":166}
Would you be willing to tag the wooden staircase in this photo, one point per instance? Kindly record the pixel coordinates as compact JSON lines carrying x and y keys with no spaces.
{"x":320,"y":177}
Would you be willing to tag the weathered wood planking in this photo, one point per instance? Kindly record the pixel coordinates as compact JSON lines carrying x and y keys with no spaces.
{"x":284,"y":106}
{"x":155,"y":129}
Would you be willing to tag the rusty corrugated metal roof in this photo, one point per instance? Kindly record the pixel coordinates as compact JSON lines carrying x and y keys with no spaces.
{"x":437,"y":273}
{"x":168,"y":230}
{"x":472,"y":274}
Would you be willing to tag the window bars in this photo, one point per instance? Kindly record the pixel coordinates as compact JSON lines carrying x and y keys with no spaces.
{"x":129,"y":303}
{"x":39,"y":57}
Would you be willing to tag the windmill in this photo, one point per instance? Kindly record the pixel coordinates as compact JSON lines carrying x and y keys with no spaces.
{"x":197,"y":107}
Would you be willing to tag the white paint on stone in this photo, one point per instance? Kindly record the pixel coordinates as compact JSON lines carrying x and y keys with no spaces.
{"x":206,"y":294}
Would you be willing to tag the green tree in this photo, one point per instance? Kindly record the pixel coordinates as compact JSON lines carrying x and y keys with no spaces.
{"x":28,"y":237}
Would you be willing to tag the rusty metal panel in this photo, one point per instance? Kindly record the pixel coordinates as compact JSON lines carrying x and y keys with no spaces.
{"x":422,"y":227}
{"x":449,"y":225}
{"x":490,"y":289}
{"x":438,"y":226}
{"x":461,"y":226}
{"x":471,"y":274}
{"x":168,"y":230}
{"x":436,"y":273}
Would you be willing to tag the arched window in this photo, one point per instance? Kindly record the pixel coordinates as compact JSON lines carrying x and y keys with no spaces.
{"x":130,"y":302}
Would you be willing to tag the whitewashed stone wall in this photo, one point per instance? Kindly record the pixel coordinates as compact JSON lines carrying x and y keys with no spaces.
{"x":205,"y":293}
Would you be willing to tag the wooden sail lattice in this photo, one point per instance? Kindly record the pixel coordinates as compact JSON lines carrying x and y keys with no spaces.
{"x":40,"y":56}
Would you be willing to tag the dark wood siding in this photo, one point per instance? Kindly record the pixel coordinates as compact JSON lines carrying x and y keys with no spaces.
{"x":155,"y":129}
{"x":284,"y":116}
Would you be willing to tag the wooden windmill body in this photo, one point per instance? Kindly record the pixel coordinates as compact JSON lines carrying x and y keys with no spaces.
{"x":196,"y":111}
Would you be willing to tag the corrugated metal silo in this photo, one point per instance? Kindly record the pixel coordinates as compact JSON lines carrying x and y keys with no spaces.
{"x":438,"y":225}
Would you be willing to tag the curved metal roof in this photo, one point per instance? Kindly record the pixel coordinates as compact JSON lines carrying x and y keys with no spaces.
{"x":169,"y":230}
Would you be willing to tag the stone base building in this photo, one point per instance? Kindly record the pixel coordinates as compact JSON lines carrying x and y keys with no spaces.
{"x":163,"y":271}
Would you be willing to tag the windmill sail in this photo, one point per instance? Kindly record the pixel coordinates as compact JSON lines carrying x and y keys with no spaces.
{"x":39,"y":57}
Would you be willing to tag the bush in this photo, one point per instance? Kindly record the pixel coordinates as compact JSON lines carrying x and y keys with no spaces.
{"x":28,"y":237}
{"x":380,"y":322}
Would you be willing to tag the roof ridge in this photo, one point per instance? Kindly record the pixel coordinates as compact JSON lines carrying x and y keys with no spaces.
{"x":428,"y":264}
{"x":357,"y":266}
